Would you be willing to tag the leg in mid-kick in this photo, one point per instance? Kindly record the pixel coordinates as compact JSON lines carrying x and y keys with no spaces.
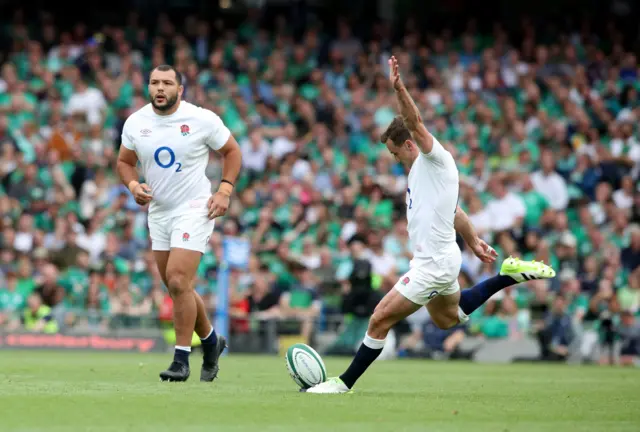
{"x":447,"y":307}
{"x":450,"y":310}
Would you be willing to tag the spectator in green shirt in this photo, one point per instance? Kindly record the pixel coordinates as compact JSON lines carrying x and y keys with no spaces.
{"x":96,"y":303}
{"x":301,"y":302}
{"x":629,"y":295}
{"x":535,"y":203}
{"x":12,"y":301}
{"x":577,"y":303}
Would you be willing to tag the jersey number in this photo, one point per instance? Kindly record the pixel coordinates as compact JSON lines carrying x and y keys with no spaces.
{"x":172,"y":159}
{"x":410,"y":200}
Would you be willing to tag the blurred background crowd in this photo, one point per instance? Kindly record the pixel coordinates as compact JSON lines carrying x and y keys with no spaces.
{"x":542,"y":118}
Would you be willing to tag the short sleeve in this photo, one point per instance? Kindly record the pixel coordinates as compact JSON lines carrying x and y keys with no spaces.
{"x":438,"y":156}
{"x":127,"y":138}
{"x":219,"y":134}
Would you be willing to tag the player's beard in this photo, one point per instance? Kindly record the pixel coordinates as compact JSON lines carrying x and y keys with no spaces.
{"x":169,"y":103}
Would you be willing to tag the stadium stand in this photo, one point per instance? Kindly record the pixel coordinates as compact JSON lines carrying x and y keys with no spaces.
{"x":543,"y":123}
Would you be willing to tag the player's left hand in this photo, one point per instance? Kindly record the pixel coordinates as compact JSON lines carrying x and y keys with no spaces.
{"x":394,"y":74}
{"x":484,"y":252}
{"x":218,"y":205}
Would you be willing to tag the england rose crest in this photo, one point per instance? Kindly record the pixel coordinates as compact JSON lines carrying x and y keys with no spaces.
{"x":184,"y":129}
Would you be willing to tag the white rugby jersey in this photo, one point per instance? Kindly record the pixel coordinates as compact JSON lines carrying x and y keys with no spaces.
{"x":173,"y":151}
{"x":432,"y":198}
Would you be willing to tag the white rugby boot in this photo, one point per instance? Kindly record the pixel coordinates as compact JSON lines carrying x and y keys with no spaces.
{"x":330,"y":386}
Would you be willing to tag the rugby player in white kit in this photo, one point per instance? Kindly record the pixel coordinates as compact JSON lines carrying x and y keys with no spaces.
{"x":171,"y":139}
{"x":433,"y":218}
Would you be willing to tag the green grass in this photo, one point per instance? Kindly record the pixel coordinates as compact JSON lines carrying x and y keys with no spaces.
{"x":63,"y":392}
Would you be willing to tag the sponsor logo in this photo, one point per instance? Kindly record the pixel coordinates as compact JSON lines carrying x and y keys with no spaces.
{"x":432,"y":295}
{"x":99,"y":343}
{"x":145,"y":132}
{"x":185,"y":237}
{"x":184,"y":130}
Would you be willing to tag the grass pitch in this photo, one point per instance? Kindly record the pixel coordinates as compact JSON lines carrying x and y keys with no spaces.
{"x":71,"y":391}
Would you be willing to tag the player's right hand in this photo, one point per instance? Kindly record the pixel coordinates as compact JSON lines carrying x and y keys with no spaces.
{"x":394,"y":74}
{"x":482,"y":250}
{"x":142,"y":194}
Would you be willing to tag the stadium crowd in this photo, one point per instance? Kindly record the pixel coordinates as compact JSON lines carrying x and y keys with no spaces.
{"x":544,"y":131}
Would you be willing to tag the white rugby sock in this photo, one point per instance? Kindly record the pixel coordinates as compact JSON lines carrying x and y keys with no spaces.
{"x":372,"y":343}
{"x":462,"y":317}
{"x":183,"y":348}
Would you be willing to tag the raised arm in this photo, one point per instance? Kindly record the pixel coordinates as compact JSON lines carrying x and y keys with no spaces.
{"x":409,"y":110}
{"x":465,"y":228}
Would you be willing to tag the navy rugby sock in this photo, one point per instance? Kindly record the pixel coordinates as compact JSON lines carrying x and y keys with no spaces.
{"x":181,"y":354}
{"x":367,"y":353}
{"x":211,"y":339}
{"x":209,"y":345}
{"x":474,"y":297}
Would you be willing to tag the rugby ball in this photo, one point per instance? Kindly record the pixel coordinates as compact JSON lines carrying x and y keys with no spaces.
{"x":305,"y":366}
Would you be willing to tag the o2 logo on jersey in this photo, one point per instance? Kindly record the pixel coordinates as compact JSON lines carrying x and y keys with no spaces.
{"x":172,"y":158}
{"x":410,"y":200}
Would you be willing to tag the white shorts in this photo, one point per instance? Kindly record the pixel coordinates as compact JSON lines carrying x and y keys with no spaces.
{"x":188,"y":231}
{"x":430,"y":277}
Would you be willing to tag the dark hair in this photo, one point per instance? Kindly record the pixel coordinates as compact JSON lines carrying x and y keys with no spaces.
{"x":167,"y":68}
{"x":397,"y":132}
